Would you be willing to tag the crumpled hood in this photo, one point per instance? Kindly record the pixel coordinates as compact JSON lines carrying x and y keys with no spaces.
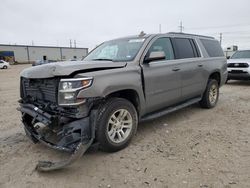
{"x":68,"y":67}
{"x":238,"y":61}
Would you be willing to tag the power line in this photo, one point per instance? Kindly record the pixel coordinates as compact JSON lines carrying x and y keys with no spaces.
{"x":220,"y":38}
{"x":75,"y":43}
{"x":159,"y":28}
{"x":222,"y":26}
{"x":70,"y":43}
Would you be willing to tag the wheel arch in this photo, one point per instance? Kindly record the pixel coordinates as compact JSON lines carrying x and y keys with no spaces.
{"x":129,"y":94}
{"x":216,"y":76}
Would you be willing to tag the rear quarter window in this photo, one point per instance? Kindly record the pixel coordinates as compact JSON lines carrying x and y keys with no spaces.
{"x":212,"y":47}
{"x":185,"y":48}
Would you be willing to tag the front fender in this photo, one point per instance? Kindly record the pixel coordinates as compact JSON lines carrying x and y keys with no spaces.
{"x":110,"y":81}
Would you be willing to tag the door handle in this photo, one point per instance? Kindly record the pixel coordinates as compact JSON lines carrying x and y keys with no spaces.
{"x":200,"y":65}
{"x":176,"y":69}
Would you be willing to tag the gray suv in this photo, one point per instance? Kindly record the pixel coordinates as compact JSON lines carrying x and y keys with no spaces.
{"x":71,"y":105}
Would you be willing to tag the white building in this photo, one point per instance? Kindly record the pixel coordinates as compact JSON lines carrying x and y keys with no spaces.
{"x":23,"y":53}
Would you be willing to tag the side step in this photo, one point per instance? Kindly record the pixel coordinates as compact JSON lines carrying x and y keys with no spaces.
{"x":170,"y":109}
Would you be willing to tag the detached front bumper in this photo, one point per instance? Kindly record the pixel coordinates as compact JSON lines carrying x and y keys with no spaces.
{"x":75,"y":136}
{"x":54,"y":131}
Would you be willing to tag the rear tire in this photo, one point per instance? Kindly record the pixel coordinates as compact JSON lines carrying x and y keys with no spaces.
{"x":116,"y":124}
{"x":211,"y":94}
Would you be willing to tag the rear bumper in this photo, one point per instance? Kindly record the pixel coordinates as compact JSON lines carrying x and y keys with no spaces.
{"x":55,"y":133}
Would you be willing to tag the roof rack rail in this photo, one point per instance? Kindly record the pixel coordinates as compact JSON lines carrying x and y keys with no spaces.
{"x":191,"y":34}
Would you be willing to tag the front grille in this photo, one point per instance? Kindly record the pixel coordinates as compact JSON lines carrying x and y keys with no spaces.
{"x":240,"y":65}
{"x":39,"y":89}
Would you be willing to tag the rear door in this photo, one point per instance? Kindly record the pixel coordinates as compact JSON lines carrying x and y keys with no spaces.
{"x":161,"y":78}
{"x":191,"y":66}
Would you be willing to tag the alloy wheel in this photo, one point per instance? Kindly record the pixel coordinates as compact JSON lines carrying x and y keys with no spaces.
{"x":119,"y":126}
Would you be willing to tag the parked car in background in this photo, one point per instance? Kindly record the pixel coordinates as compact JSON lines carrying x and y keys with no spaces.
{"x":238,"y":65}
{"x":72,"y":60}
{"x":41,"y":62}
{"x":4,"y":64}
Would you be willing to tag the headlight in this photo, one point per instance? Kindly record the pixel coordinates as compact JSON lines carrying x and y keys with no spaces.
{"x":69,"y":89}
{"x":66,"y":85}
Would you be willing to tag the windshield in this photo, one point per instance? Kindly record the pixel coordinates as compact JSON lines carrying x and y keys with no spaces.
{"x":116,"y":50}
{"x":241,"y":55}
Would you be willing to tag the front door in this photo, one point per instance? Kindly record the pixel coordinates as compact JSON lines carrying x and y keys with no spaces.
{"x":161,"y":78}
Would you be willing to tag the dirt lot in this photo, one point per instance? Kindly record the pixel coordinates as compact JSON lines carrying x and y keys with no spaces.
{"x":189,"y":148}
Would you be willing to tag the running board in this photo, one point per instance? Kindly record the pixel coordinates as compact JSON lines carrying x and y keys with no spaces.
{"x":170,"y":109}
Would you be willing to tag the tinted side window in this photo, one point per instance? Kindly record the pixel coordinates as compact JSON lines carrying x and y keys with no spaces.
{"x":212,"y":47}
{"x":184,"y":48}
{"x":162,"y":44}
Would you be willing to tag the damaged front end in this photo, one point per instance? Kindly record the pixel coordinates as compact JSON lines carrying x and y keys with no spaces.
{"x":69,"y":127}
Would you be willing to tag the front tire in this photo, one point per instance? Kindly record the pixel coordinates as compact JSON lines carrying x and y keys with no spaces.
{"x":5,"y":67}
{"x":116,"y":124}
{"x":211,"y":94}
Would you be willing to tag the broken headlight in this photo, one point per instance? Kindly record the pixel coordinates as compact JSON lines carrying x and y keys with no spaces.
{"x":69,"y":89}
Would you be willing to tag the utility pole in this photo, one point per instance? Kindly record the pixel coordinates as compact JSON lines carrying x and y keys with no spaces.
{"x":159,"y":28}
{"x":220,"y":38}
{"x":70,"y":43}
{"x":75,"y":43}
{"x":181,"y":27}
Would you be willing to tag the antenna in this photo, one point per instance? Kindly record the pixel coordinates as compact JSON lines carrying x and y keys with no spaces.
{"x":181,"y":27}
{"x":159,"y":28}
{"x":142,"y":34}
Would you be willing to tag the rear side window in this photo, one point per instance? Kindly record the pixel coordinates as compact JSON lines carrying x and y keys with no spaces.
{"x":212,"y":47}
{"x":185,"y":48}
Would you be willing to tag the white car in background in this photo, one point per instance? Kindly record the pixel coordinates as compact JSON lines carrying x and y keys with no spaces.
{"x":4,"y":64}
{"x":238,"y":66}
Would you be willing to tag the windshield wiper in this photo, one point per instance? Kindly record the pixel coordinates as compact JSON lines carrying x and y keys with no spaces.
{"x":102,"y":59}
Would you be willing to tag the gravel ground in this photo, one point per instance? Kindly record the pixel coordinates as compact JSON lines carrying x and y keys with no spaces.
{"x":192,"y":147}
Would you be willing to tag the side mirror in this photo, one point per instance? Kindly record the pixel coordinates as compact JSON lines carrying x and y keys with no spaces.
{"x":154,"y":56}
{"x":228,"y":57}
